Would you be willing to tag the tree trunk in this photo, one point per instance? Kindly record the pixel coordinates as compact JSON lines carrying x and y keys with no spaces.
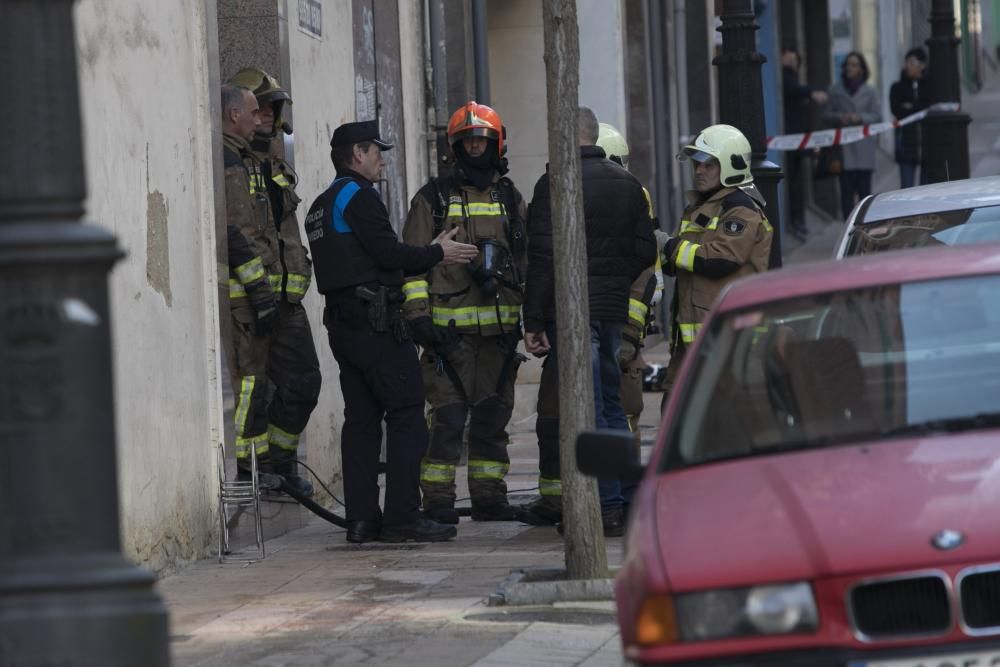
{"x":585,"y":554}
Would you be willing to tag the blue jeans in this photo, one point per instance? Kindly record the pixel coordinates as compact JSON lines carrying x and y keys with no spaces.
{"x":605,"y":342}
{"x":907,"y":174}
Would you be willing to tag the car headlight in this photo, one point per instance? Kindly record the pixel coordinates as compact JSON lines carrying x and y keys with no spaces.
{"x":741,"y":612}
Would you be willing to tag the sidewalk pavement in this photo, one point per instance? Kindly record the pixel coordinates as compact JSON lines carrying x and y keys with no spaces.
{"x":319,"y":600}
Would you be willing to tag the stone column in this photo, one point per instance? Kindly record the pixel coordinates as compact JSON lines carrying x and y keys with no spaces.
{"x":67,"y":595}
{"x":741,"y":103}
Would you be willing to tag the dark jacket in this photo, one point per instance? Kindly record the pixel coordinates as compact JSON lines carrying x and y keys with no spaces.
{"x":353,"y":242}
{"x":908,"y":96}
{"x":620,"y":242}
{"x":796,"y":101}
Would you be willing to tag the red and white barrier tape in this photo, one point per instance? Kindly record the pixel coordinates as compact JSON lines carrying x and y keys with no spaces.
{"x":848,"y":135}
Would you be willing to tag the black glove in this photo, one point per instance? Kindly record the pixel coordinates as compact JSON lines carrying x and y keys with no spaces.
{"x":267,"y":321}
{"x":424,"y":333}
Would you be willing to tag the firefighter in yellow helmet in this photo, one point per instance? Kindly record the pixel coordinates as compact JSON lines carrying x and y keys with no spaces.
{"x":723,"y":234}
{"x":467,"y":318}
{"x":644,"y":294}
{"x":272,"y":423}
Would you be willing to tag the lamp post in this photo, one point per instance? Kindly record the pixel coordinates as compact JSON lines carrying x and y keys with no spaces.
{"x":741,"y":103}
{"x":67,"y":595}
{"x":945,"y":133}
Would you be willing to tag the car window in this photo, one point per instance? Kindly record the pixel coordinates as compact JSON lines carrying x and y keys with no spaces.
{"x":961,"y":227}
{"x":835,"y":368}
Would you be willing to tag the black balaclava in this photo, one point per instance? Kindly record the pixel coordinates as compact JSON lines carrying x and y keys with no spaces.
{"x":479,"y":170}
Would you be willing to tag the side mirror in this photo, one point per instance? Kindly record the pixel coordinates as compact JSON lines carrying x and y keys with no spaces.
{"x":609,"y":455}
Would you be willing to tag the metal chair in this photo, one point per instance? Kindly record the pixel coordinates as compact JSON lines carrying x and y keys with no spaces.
{"x":238,"y":495}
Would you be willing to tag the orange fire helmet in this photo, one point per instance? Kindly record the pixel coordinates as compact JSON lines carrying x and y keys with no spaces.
{"x":477,"y":120}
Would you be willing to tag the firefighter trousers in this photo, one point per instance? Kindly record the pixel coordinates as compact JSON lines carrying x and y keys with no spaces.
{"x":276,"y":382}
{"x":479,"y":363}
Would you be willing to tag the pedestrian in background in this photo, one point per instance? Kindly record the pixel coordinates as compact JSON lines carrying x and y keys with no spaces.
{"x":854,"y":102}
{"x":620,"y":246}
{"x":908,"y":96}
{"x":360,"y":264}
{"x":796,"y":97}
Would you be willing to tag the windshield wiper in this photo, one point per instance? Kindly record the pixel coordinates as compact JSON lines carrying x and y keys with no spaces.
{"x":946,"y":425}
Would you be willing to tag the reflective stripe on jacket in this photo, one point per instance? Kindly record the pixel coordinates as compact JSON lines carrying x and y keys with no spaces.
{"x":450,"y":293}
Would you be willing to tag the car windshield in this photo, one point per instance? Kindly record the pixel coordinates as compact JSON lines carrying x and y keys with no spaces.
{"x":833,"y":368}
{"x":963,"y":227}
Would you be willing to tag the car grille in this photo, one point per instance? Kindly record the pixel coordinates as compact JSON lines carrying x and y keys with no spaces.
{"x":899,"y":607}
{"x":980,"y":593}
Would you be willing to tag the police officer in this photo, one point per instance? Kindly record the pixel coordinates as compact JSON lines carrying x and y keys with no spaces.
{"x":467,"y":318}
{"x":360,"y":265}
{"x":288,"y":355}
{"x":723,"y":234}
{"x":644,"y":293}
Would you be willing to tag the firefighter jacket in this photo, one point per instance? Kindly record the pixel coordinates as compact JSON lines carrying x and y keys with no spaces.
{"x":643,"y":293}
{"x":248,"y":219}
{"x":291,"y":277}
{"x":720,"y":239}
{"x":452,"y":293}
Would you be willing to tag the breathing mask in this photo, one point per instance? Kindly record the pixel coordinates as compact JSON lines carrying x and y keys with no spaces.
{"x":489,"y":266}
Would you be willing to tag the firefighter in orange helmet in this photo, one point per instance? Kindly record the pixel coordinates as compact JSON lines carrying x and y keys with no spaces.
{"x":467,"y":319}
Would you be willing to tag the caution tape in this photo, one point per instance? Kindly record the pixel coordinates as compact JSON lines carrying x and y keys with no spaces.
{"x":850,"y":134}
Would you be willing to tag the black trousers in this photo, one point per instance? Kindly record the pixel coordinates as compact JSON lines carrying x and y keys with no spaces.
{"x":854,"y":182}
{"x":380,"y":379}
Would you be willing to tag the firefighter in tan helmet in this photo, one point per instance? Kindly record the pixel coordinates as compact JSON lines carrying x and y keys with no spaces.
{"x":723,"y":234}
{"x":285,"y":355}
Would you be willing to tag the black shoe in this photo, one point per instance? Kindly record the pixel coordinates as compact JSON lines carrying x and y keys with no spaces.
{"x":363,"y":531}
{"x":499,"y":510}
{"x":420,"y":530}
{"x":447,"y":515}
{"x":536,"y":514}
{"x":613,"y":521}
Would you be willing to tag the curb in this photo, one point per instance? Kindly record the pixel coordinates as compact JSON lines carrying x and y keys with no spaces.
{"x":547,"y":586}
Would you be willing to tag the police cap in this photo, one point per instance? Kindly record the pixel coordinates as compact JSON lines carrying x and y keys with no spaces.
{"x":349,"y":134}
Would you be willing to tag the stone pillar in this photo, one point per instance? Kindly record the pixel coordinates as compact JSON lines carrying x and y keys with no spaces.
{"x":945,"y":133}
{"x":741,"y":103}
{"x":67,"y":595}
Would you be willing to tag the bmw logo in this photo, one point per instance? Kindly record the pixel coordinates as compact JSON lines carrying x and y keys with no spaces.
{"x":947,"y":540}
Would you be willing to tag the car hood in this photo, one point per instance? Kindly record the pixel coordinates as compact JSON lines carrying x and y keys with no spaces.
{"x":826,"y":512}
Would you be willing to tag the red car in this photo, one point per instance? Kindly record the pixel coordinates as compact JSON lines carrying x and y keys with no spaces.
{"x":825,"y":486}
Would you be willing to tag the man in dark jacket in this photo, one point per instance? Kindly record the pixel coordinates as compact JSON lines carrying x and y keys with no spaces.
{"x":796,"y":96}
{"x":908,"y":96}
{"x":620,"y":246}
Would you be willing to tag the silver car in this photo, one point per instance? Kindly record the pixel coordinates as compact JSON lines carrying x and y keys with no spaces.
{"x":960,"y":212}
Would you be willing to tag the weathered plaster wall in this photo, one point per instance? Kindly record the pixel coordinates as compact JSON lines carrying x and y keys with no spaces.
{"x":144,"y":86}
{"x":517,"y":76}
{"x":411,"y":48}
{"x":323,"y":92}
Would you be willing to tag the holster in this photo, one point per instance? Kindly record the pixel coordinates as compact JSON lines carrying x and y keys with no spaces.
{"x":376,"y":305}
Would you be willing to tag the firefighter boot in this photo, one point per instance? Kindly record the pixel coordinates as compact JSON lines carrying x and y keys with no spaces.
{"x":301,"y":486}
